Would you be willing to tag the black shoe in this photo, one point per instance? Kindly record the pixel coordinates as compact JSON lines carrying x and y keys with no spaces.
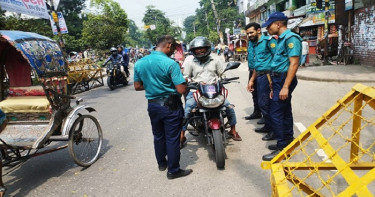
{"x":162,"y":168}
{"x":261,"y":121}
{"x":254,"y":115}
{"x":272,"y":147}
{"x":261,"y":130}
{"x":180,"y":173}
{"x":270,"y":136}
{"x":270,"y":156}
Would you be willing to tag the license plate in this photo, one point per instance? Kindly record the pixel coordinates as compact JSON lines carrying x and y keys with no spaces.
{"x":211,"y":89}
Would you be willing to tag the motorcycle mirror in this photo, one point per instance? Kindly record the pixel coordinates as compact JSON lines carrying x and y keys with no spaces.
{"x":232,"y":65}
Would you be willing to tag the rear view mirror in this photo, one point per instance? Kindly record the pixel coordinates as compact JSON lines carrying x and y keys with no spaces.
{"x":232,"y":65}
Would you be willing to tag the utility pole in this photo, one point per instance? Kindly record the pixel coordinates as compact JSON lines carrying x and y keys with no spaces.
{"x":326,"y":31}
{"x":56,"y":20}
{"x":216,"y":17}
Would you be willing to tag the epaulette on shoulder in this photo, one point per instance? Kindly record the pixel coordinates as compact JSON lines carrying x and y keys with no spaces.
{"x":293,"y":34}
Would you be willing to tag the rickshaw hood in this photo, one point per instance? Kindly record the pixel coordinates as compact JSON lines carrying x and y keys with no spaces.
{"x":42,"y":53}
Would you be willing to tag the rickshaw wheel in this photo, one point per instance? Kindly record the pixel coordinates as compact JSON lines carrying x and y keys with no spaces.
{"x":85,"y":140}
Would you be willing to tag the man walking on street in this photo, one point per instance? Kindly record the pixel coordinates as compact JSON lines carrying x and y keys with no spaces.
{"x":284,"y":67}
{"x":161,"y":78}
{"x":262,"y":49}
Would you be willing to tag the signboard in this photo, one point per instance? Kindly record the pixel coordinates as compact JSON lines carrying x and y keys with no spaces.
{"x":62,"y":24}
{"x":35,"y":8}
{"x":236,"y":31}
{"x":348,"y":5}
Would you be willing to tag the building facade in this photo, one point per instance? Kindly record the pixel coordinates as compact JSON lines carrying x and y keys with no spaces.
{"x":351,"y":21}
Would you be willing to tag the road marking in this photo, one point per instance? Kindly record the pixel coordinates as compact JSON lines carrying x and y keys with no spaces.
{"x":319,"y":152}
{"x":300,"y":127}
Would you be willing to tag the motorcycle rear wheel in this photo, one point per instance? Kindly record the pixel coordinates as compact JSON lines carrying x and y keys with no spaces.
{"x":110,"y":83}
{"x":219,"y":149}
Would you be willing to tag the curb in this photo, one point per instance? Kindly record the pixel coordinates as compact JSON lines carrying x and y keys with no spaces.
{"x":334,"y":80}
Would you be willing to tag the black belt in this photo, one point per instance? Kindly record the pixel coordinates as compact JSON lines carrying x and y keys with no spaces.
{"x":263,"y":72}
{"x":278,"y":74}
{"x":157,"y":100}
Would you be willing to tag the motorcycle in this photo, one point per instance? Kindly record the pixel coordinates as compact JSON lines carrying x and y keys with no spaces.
{"x":115,"y":77}
{"x":208,"y":117}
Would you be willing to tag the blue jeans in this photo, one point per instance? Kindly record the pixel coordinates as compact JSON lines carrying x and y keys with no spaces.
{"x":190,"y":104}
{"x":264,"y":101}
{"x":166,"y":128}
{"x":281,"y":112}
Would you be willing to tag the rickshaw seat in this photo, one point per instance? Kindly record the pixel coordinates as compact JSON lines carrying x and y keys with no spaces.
{"x":25,"y":104}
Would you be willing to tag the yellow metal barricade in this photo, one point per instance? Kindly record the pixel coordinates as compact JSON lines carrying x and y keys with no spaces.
{"x":335,"y":156}
{"x":84,"y":75}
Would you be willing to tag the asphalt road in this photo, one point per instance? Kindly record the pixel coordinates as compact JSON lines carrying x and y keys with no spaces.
{"x":127,"y":166}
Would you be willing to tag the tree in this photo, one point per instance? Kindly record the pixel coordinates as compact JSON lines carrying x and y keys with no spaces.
{"x":206,"y":24}
{"x":163,"y":25}
{"x":106,"y":29}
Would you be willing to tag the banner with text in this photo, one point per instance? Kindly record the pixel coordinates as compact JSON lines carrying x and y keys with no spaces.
{"x":62,"y":24}
{"x":35,"y":8}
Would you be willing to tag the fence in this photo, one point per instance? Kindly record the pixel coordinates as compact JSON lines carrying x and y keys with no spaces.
{"x":335,"y":156}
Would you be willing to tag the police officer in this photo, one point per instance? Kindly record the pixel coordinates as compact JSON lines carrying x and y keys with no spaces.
{"x":261,"y":48}
{"x":161,"y":78}
{"x":284,"y":67}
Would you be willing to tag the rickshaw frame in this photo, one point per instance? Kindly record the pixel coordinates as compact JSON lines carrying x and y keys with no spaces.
{"x":66,"y":123}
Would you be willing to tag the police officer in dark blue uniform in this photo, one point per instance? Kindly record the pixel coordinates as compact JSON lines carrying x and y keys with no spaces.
{"x":161,"y":78}
{"x":284,"y":67}
{"x":262,"y":48}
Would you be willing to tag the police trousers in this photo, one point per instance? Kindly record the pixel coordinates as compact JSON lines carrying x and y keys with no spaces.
{"x":166,"y":128}
{"x":281,"y":111}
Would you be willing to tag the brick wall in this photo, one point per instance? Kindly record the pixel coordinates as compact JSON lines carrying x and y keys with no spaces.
{"x":363,"y":36}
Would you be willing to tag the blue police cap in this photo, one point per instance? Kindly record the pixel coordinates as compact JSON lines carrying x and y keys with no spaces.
{"x":276,"y":16}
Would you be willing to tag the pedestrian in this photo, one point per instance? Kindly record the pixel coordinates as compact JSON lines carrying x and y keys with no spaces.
{"x":162,"y":80}
{"x":305,"y":52}
{"x":203,"y":68}
{"x":284,"y":67}
{"x":262,"y":48}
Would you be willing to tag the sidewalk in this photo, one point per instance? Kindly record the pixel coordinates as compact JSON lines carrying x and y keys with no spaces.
{"x":337,"y":73}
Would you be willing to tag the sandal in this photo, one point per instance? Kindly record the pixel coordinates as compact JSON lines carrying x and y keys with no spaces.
{"x":3,"y":189}
{"x":235,"y":136}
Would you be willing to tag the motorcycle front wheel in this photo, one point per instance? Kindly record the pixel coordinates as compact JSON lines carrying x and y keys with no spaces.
{"x":110,"y":83}
{"x":219,"y":149}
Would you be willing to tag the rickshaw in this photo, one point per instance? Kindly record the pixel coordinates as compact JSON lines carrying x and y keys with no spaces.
{"x":239,"y":49}
{"x":332,"y":47}
{"x":34,"y":97}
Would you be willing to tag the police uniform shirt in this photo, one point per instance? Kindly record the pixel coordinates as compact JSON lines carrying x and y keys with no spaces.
{"x":262,"y":51}
{"x":288,"y":45}
{"x":159,"y":74}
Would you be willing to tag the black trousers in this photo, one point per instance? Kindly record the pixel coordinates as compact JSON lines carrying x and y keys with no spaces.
{"x":254,"y":93}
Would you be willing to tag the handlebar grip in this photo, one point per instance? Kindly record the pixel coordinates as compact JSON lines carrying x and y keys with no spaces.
{"x":230,"y":79}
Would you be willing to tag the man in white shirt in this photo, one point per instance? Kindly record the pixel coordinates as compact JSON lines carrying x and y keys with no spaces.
{"x":203,"y":68}
{"x":305,"y":52}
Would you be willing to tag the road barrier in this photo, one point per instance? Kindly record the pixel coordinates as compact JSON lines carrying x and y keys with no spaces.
{"x":335,"y":156}
{"x":83,"y":76}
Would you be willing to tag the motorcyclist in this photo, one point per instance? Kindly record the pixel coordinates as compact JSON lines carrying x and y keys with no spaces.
{"x":203,"y":68}
{"x":116,"y":58}
{"x":125,"y":57}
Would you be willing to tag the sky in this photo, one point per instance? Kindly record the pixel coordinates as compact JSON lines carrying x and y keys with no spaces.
{"x":175,"y":10}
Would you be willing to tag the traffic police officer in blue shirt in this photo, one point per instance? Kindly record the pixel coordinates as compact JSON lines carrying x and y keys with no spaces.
{"x":161,"y":78}
{"x":284,"y":67}
{"x":262,"y":48}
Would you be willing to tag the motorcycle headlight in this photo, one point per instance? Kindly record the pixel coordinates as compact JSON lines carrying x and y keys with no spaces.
{"x":211,"y":103}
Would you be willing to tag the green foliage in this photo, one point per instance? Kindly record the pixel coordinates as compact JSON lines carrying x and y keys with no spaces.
{"x":107,"y":29}
{"x":163,"y":25}
{"x":206,"y":24}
